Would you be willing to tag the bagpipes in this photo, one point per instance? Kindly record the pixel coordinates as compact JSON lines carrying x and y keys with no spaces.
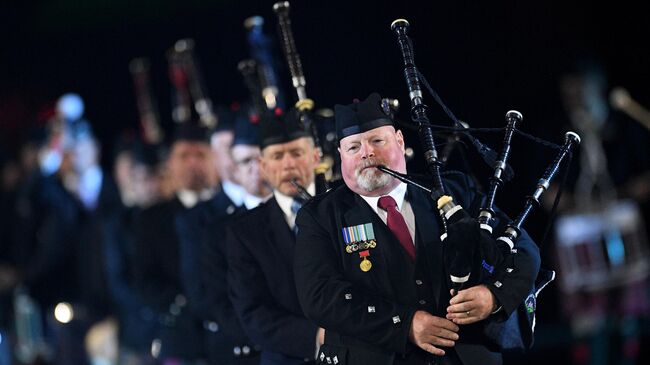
{"x":261,"y":51}
{"x":248,"y":68}
{"x":471,"y":253}
{"x":258,"y":72}
{"x":261,"y":81}
{"x":304,"y":104}
{"x":188,"y":85}
{"x":151,"y":130}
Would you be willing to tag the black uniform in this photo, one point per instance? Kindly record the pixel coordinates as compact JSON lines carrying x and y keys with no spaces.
{"x":158,"y":267}
{"x":367,"y":315}
{"x":137,"y":323}
{"x":262,"y":286}
{"x":158,"y":280}
{"x":203,"y":277}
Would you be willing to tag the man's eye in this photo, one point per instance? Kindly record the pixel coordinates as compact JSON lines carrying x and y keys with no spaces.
{"x":245,"y":161}
{"x":353,"y":148}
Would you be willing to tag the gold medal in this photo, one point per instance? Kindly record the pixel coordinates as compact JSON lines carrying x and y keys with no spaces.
{"x":348,"y":248}
{"x":365,"y":265}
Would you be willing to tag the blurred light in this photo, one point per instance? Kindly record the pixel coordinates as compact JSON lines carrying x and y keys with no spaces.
{"x":615,"y":248}
{"x":155,"y":348}
{"x":269,"y":98}
{"x":63,"y":312}
{"x":50,"y":161}
{"x":325,"y":112}
{"x":408,"y":152}
{"x":70,"y":106}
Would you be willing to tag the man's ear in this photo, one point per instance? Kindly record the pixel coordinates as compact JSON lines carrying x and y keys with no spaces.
{"x":316,"y":156}
{"x":263,"y":165}
{"x":400,"y":140}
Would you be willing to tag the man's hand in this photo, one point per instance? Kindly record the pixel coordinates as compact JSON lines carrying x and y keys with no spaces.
{"x":471,"y":305}
{"x":429,"y":331}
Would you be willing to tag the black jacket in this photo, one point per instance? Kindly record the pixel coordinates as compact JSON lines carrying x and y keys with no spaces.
{"x":367,"y":315}
{"x":262,"y":286}
{"x":159,"y":283}
{"x":203,"y":278}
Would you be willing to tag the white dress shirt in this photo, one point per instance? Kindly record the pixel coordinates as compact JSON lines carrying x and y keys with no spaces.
{"x":285,"y":201}
{"x":251,"y":201}
{"x":403,"y":206}
{"x":234,"y":191}
{"x":190,"y":198}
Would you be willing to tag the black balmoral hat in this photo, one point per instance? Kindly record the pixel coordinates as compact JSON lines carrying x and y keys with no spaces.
{"x":246,"y":129}
{"x":226,"y":117}
{"x":190,"y":132}
{"x":281,"y":128}
{"x":360,"y":117}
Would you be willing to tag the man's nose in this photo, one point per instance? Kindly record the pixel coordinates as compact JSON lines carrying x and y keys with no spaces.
{"x":288,"y":161}
{"x":254,"y":167}
{"x":193,"y":160}
{"x":367,"y":151}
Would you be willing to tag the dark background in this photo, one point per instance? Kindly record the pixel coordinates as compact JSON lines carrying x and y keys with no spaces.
{"x":483,"y":58}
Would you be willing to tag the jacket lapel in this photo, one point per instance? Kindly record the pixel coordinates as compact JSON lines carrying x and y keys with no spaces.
{"x":279,"y":233}
{"x":221,"y":206}
{"x":394,"y":266}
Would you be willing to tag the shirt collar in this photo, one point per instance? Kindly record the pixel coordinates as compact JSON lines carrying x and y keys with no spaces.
{"x":234,"y":191}
{"x":398,"y":194}
{"x":284,"y":201}
{"x":190,"y":198}
{"x":251,"y":201}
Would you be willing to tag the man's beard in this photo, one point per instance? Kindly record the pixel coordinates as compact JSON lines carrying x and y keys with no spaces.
{"x":370,"y":179}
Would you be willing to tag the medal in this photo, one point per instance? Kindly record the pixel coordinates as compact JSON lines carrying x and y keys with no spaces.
{"x":360,"y":238}
{"x":365,"y":264}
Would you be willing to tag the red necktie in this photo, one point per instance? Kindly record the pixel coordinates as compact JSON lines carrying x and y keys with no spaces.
{"x":397,"y":224}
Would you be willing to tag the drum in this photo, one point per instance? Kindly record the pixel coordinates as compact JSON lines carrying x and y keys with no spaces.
{"x":601,"y":249}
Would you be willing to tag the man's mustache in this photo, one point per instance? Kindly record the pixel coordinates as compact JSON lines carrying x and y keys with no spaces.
{"x":290,"y":177}
{"x":370,"y":162}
